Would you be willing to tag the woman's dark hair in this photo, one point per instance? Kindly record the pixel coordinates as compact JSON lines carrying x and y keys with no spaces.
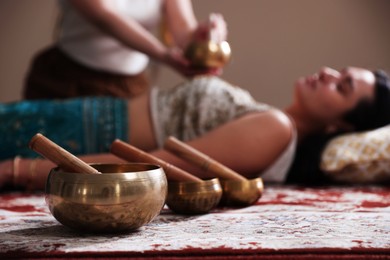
{"x":366,"y":116}
{"x":371,"y":115}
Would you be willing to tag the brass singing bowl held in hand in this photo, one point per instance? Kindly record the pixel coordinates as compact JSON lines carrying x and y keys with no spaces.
{"x":208,"y":54}
{"x":123,"y":198}
{"x":193,"y":198}
{"x":241,"y":193}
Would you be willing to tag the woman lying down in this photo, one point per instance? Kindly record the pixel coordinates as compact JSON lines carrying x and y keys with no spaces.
{"x":208,"y":113}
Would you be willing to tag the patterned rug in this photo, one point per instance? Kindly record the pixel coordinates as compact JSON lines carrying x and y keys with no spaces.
{"x":288,"y":222}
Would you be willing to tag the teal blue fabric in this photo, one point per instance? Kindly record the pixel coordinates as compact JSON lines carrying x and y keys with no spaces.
{"x":81,"y":125}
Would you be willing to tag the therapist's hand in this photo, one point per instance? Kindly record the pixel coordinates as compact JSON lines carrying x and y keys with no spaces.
{"x":175,"y":59}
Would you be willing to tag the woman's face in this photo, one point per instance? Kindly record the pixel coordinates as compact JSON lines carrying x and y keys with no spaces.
{"x":328,"y":94}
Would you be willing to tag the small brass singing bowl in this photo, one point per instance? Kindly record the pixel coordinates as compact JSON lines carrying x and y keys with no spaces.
{"x":208,"y":54}
{"x":241,"y":193}
{"x":123,"y":198}
{"x":192,"y":198}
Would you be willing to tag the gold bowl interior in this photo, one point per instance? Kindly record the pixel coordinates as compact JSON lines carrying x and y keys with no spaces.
{"x":241,"y":193}
{"x":123,"y":198}
{"x":208,"y":54}
{"x":193,"y":197}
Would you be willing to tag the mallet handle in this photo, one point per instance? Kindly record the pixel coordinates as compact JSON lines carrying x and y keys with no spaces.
{"x":203,"y":161}
{"x":58,"y":155}
{"x":131,"y":153}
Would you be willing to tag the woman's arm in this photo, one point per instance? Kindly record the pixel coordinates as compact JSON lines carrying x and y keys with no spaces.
{"x":125,"y":29}
{"x":248,"y":145}
{"x":132,"y":34}
{"x":181,"y":21}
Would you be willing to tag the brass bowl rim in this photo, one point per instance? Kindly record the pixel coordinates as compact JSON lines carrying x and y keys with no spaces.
{"x":207,"y":186}
{"x":131,"y":172}
{"x":194,"y":183}
{"x":253,"y":185}
{"x":255,"y":180}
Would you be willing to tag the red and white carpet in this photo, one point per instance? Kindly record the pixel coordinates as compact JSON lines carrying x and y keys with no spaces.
{"x":288,"y":222}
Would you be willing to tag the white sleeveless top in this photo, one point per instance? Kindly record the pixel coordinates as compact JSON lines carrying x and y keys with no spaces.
{"x":195,"y":107}
{"x":88,"y":45}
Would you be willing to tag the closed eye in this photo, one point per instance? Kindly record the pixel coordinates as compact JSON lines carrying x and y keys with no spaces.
{"x":345,"y":86}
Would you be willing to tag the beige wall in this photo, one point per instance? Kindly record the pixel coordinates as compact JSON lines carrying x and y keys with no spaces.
{"x":273,"y":41}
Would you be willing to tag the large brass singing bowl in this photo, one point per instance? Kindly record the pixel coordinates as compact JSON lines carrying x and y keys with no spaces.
{"x":241,"y":193}
{"x":123,"y":198}
{"x":208,"y":54}
{"x":192,"y":198}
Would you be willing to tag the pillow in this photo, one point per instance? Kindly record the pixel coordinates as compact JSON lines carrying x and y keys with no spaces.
{"x":358,"y":157}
